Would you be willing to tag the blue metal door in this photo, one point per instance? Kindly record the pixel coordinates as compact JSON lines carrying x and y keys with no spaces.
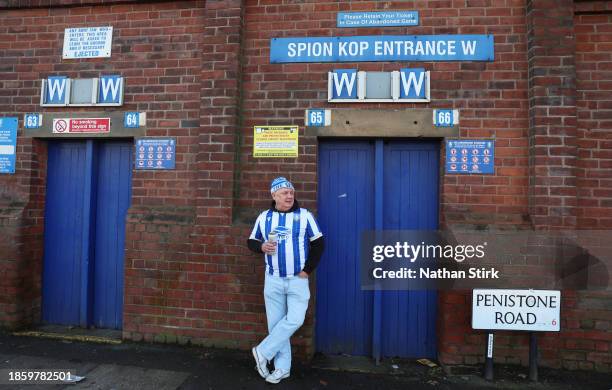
{"x":66,"y":227}
{"x":88,"y":194}
{"x":410,"y":200}
{"x":346,"y":199}
{"x":113,"y":193}
{"x":367,"y":185}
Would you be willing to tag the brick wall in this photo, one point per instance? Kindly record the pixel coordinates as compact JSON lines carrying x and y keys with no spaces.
{"x":188,"y":274}
{"x":491,"y":96}
{"x":552,"y":114}
{"x":201,"y":71}
{"x":594,"y":108}
{"x":569,"y":83}
{"x":157,"y":48}
{"x":583,"y":343}
{"x":22,"y":194}
{"x":10,"y":310}
{"x":21,"y":242}
{"x":589,"y":340}
{"x":205,"y":291}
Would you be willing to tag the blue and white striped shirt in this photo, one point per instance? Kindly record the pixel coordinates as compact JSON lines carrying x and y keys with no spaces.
{"x":292,"y":228}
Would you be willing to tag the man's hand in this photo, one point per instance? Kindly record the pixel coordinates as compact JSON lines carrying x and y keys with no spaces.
{"x":268,"y":247}
{"x":303,"y":275}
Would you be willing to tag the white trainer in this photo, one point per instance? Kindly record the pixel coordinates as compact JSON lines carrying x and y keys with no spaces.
{"x":277,"y":376}
{"x":261,"y":364}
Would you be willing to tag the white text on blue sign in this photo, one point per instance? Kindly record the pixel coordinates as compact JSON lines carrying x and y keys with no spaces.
{"x":8,"y":144}
{"x":317,"y":117}
{"x":378,"y":19}
{"x":32,"y":120}
{"x":405,"y":85}
{"x":470,"y":156}
{"x":155,"y":153}
{"x":131,"y":119}
{"x":56,"y":91}
{"x":383,"y":48}
{"x":445,"y":118}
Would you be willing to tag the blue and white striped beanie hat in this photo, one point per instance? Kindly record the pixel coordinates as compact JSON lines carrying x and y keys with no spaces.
{"x":278,"y":183}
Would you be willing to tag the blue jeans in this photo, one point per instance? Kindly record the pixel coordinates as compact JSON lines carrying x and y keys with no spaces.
{"x":286,"y":303}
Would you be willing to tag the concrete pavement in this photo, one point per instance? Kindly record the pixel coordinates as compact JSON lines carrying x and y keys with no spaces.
{"x":168,"y":367}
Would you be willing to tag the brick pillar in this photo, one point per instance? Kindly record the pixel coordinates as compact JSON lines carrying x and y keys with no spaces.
{"x":10,"y":310}
{"x":219,"y":115}
{"x":21,"y":236}
{"x":218,"y":247}
{"x":552,"y":169}
{"x":552,"y":113}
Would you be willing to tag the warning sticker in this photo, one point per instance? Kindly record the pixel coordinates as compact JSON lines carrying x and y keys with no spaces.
{"x":275,"y":141}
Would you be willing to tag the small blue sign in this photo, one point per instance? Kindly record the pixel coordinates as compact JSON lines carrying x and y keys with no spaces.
{"x":444,"y":118}
{"x":32,"y":120}
{"x":387,"y":48}
{"x":344,"y":84}
{"x":56,"y":90}
{"x":110,"y":90}
{"x":378,"y":19}
{"x":155,"y":153}
{"x":131,"y":119}
{"x":470,"y":156}
{"x":8,"y":144}
{"x":413,"y":83}
{"x":315,"y":118}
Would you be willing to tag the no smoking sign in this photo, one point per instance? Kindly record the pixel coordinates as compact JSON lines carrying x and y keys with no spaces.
{"x":59,"y":126}
{"x":81,"y":125}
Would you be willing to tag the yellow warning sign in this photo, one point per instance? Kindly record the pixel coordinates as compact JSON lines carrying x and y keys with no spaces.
{"x":275,"y":141}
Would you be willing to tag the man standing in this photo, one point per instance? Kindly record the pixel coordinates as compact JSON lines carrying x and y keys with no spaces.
{"x":292,"y":252}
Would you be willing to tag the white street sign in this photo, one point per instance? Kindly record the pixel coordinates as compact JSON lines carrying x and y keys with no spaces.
{"x":531,"y":310}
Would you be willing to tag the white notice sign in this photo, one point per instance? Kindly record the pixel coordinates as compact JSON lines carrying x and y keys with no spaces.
{"x":532,"y":310}
{"x":88,"y":42}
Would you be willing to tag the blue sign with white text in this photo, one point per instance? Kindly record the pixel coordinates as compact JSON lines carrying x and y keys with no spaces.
{"x":344,"y":84}
{"x":32,"y":120}
{"x":383,"y":48}
{"x":131,"y":119}
{"x":444,"y":118}
{"x":155,"y":153}
{"x":56,"y":90}
{"x":413,"y":83}
{"x":110,"y":90}
{"x":8,"y":144}
{"x":470,"y":156}
{"x":378,"y":19}
{"x":315,"y":118}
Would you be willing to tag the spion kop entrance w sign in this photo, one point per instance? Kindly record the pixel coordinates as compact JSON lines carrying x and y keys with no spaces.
{"x":382,"y":48}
